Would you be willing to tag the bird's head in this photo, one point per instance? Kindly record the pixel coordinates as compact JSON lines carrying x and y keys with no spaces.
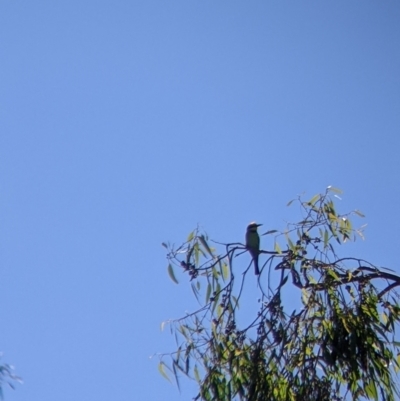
{"x":253,"y":226}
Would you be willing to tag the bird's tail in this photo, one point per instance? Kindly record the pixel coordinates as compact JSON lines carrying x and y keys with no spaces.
{"x":256,"y":269}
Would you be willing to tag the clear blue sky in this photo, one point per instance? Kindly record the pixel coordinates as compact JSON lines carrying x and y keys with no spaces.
{"x":127,"y":123}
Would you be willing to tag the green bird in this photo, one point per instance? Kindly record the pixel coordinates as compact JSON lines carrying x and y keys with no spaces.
{"x":253,"y":243}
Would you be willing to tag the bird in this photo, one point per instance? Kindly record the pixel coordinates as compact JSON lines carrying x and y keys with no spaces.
{"x":253,"y":243}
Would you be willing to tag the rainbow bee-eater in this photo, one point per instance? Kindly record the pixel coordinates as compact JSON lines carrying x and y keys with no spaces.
{"x":253,"y":243}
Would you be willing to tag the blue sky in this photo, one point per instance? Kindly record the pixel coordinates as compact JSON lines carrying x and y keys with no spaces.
{"x":125,"y":124}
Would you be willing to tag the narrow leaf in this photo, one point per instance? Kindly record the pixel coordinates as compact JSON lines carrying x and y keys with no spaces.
{"x":370,"y":389}
{"x":326,"y":238}
{"x":314,"y":199}
{"x":205,"y":245}
{"x":225,"y":271}
{"x":398,"y":362}
{"x":216,"y":298}
{"x":195,"y":292}
{"x":172,"y":274}
{"x":359,"y":213}
{"x":208,"y":293}
{"x":277,"y":248}
{"x":162,"y":371}
{"x":270,"y":232}
{"x":196,"y":374}
{"x":336,"y":190}
{"x":290,"y":243}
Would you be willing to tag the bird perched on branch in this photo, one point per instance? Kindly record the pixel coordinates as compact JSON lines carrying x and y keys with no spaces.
{"x":253,"y":243}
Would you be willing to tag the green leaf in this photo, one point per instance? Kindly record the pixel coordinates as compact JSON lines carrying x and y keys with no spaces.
{"x":336,"y":190}
{"x":164,"y":245}
{"x":172,"y":274}
{"x":326,"y":238}
{"x":285,"y":279}
{"x":332,"y":218}
{"x":290,"y":243}
{"x":270,"y":232}
{"x":205,"y":245}
{"x":359,"y":213}
{"x":216,"y":297}
{"x":277,"y":248}
{"x":360,"y":233}
{"x":215,"y":273}
{"x":220,"y":310}
{"x":187,"y":365}
{"x":162,"y":371}
{"x":195,"y":292}
{"x":182,"y":330}
{"x":304,"y":296}
{"x":196,"y":253}
{"x":163,"y":325}
{"x":329,"y":208}
{"x":370,"y":389}
{"x":225,"y":271}
{"x":333,"y":231}
{"x":190,"y":236}
{"x":303,"y":222}
{"x":208,"y":293}
{"x":235,"y":301}
{"x":174,"y":366}
{"x":196,"y":374}
{"x":290,"y":202}
{"x":398,"y":362}
{"x":333,"y":274}
{"x":384,"y":318}
{"x":314,"y":199}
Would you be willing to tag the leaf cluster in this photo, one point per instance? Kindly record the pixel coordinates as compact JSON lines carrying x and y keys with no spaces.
{"x":339,"y":344}
{"x":7,"y":377}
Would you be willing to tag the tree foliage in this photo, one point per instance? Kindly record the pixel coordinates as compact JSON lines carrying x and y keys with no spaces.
{"x":7,"y":377}
{"x":336,"y":343}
